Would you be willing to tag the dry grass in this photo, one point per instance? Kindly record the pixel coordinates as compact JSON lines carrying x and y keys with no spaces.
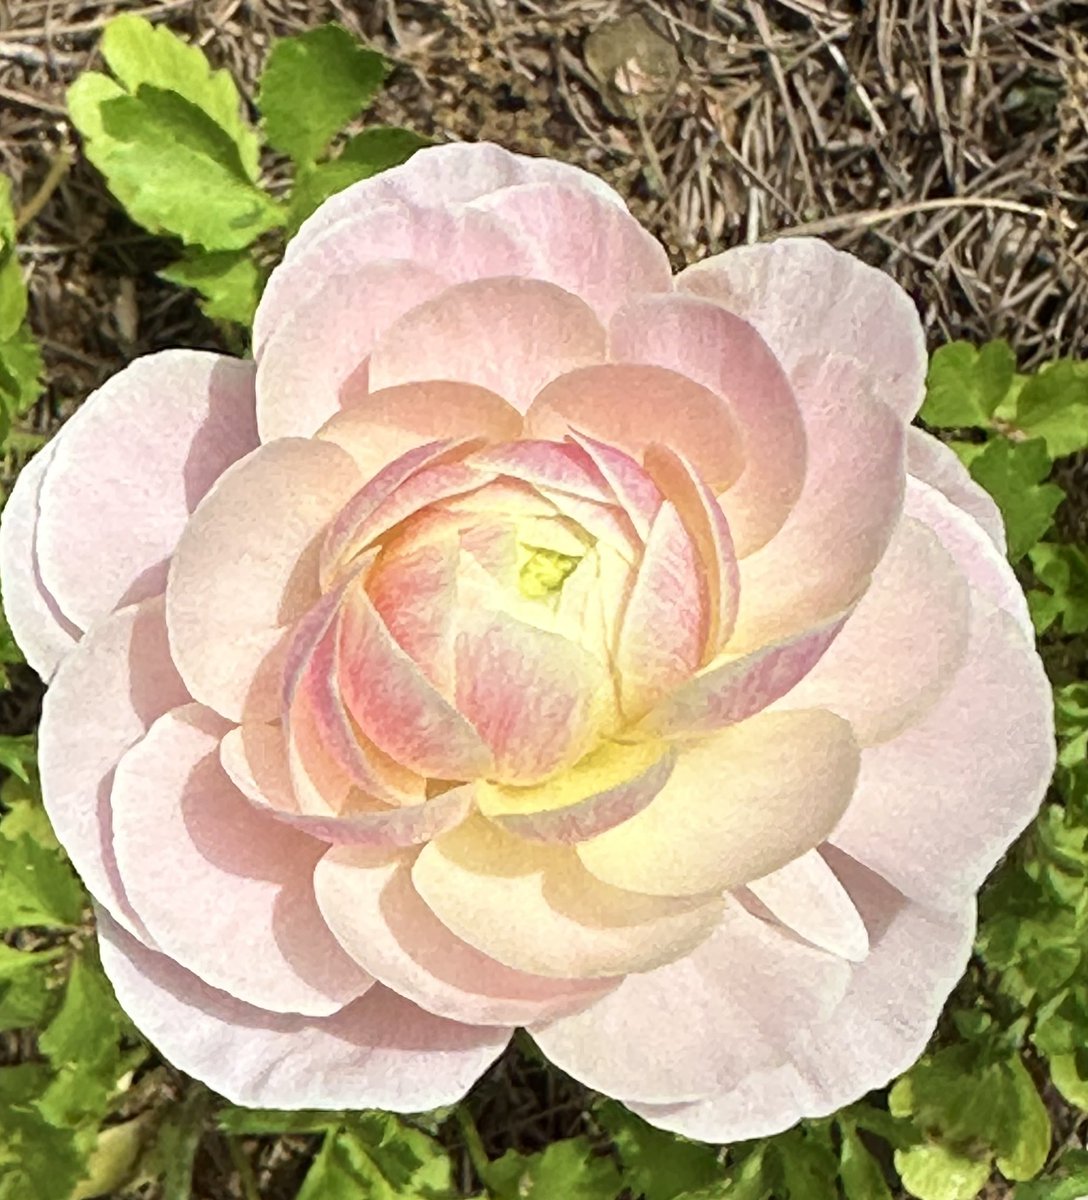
{"x":945,"y":140}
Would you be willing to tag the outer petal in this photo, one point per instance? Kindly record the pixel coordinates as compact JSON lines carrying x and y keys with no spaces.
{"x":901,"y":646}
{"x":876,"y":1031}
{"x":933,"y":463}
{"x":630,"y":406}
{"x":970,"y":774}
{"x":982,"y":562}
{"x":314,"y":363}
{"x":739,"y":804}
{"x":42,"y":631}
{"x":719,"y":351}
{"x":534,"y":908}
{"x":445,"y":175}
{"x":583,"y":241}
{"x":805,"y":297}
{"x":232,"y":870}
{"x":379,"y":1052}
{"x":702,"y":1024}
{"x":455,"y":244}
{"x":512,"y":336}
{"x":246,"y":567}
{"x":807,"y":897}
{"x":131,"y":466}
{"x":371,"y":905}
{"x":820,"y":561}
{"x":107,"y":693}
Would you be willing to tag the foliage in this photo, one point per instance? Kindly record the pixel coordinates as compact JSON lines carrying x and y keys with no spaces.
{"x":175,"y":142}
{"x":20,"y":358}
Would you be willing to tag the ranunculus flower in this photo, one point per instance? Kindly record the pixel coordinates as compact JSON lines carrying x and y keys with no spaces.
{"x":528,"y":637}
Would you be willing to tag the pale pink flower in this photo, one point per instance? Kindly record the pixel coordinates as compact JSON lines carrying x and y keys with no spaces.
{"x":529,"y":637}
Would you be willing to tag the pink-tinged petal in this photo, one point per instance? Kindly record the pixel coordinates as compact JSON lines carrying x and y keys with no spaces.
{"x":606,"y":788}
{"x":932,"y":462}
{"x":314,"y":362}
{"x":807,"y":897}
{"x":664,"y":625}
{"x":457,"y":173}
{"x":511,"y":336}
{"x":875,"y":1032}
{"x":733,"y":689}
{"x":379,"y":1052}
{"x":326,"y":750}
{"x":634,"y":488}
{"x":704,"y":519}
{"x":704,"y":1022}
{"x":583,"y":242}
{"x":246,"y":567}
{"x":806,"y":298}
{"x":415,"y":594}
{"x":820,"y":561}
{"x":380,"y":427}
{"x":726,"y":355}
{"x":981,"y":560}
{"x":536,"y":909}
{"x":969,"y":774}
{"x":371,"y":905}
{"x":901,"y":647}
{"x":452,"y":245}
{"x":255,"y":758}
{"x":239,"y":870}
{"x":104,"y":698}
{"x":343,"y":539}
{"x":545,"y":464}
{"x":41,"y":630}
{"x":629,"y":407}
{"x":739,"y":804}
{"x":394,"y":704}
{"x":128,"y":470}
{"x":538,"y":700}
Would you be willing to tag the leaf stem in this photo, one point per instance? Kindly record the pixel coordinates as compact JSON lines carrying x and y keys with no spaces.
{"x":474,"y":1144}
{"x":244,"y":1168}
{"x":58,"y":168}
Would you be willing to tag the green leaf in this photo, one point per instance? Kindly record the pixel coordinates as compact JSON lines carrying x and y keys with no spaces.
{"x":1068,"y":1180}
{"x":935,"y":1172}
{"x":263,"y":1121}
{"x":1053,"y":405}
{"x":1012,"y":472}
{"x":170,"y":1158}
{"x":171,"y":166}
{"x":860,"y":1173}
{"x":13,"y":299}
{"x":40,"y":888}
{"x":806,"y":1162}
{"x":1063,"y":572}
{"x":28,"y":995}
{"x":36,"y":1158}
{"x":17,"y":754}
{"x":312,"y":85}
{"x":656,"y":1165}
{"x":1028,"y":1129}
{"x":229,"y":281}
{"x":139,"y":53}
{"x":567,"y":1168}
{"x":21,"y":372}
{"x":382,"y":1158}
{"x":965,"y":385}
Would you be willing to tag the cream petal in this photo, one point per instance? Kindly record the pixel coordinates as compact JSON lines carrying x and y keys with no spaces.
{"x":534,"y":908}
{"x":371,"y":905}
{"x":738,"y":805}
{"x":246,"y":567}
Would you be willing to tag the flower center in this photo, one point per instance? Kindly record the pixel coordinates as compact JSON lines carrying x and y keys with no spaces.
{"x":543,"y":572}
